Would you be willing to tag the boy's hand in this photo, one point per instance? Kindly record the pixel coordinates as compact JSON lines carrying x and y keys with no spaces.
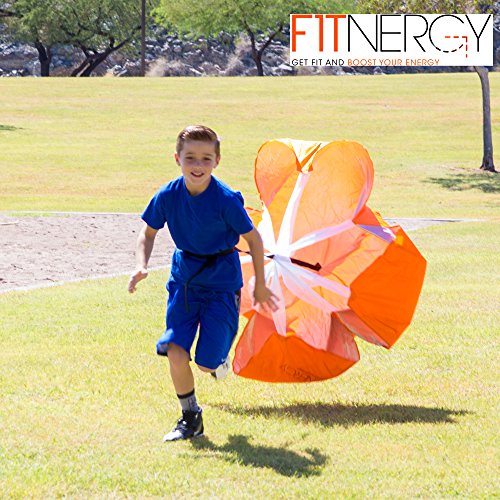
{"x":139,"y":275}
{"x":263,"y":296}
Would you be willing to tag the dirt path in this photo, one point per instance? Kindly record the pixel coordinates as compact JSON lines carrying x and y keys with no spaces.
{"x":39,"y":250}
{"x":42,"y":250}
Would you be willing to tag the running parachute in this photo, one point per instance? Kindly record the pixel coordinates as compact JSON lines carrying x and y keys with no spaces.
{"x":338,"y":269}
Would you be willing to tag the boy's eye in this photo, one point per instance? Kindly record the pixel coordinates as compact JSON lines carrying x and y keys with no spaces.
{"x":191,"y":159}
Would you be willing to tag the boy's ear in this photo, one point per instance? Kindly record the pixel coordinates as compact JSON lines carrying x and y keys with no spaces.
{"x":217,"y":160}
{"x":177,"y":160}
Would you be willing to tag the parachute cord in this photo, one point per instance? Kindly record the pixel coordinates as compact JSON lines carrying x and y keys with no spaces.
{"x":314,"y":267}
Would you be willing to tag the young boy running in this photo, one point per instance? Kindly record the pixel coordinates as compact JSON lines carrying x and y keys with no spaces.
{"x":205,"y":219}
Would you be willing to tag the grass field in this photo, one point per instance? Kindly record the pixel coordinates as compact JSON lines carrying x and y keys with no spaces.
{"x":106,"y":144}
{"x":84,"y":401}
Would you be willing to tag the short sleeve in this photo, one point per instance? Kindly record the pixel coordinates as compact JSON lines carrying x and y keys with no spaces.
{"x":154,"y":215}
{"x":236,"y":216}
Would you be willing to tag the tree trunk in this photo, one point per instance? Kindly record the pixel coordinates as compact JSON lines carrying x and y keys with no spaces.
{"x":256,"y":54}
{"x":80,"y":68}
{"x":487,"y":137}
{"x":258,"y":62}
{"x":94,"y":62}
{"x":45,"y":58}
{"x":143,"y":38}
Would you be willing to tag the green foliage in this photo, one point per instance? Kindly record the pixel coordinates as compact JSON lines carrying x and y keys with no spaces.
{"x":425,"y":7}
{"x":100,"y":23}
{"x":90,"y":23}
{"x":37,"y":20}
{"x":212,"y":16}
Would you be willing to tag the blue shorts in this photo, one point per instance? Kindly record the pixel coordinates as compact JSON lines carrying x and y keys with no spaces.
{"x":217,"y":315}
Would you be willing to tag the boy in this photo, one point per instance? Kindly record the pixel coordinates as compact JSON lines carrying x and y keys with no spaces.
{"x":205,"y":219}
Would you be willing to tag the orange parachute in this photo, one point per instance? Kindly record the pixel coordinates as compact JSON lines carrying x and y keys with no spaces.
{"x":337,"y":267}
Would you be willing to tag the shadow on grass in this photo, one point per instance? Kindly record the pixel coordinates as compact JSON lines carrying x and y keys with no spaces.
{"x":487,"y":182}
{"x":8,"y":128}
{"x":330,"y":415}
{"x":286,"y":462}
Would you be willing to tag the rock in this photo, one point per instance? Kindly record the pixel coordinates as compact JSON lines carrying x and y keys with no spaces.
{"x":209,"y":69}
{"x":286,"y":69}
{"x":190,"y":58}
{"x":348,"y":70}
{"x":337,"y":70}
{"x":234,"y":67}
{"x":32,"y":68}
{"x":194,"y":72}
{"x":272,"y":59}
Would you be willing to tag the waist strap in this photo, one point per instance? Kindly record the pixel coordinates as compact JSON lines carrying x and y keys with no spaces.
{"x":210,"y":256}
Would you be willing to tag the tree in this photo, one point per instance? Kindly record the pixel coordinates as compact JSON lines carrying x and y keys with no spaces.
{"x":261,"y":20}
{"x":36,"y":23}
{"x":448,"y":7}
{"x":96,"y":27}
{"x":99,"y":28}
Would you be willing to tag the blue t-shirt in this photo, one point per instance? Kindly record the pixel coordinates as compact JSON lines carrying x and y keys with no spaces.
{"x":208,"y":223}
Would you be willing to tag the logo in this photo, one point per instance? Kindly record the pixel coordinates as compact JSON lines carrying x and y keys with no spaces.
{"x":391,"y":40}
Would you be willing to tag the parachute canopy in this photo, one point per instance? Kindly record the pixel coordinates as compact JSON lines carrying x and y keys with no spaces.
{"x":338,"y":269}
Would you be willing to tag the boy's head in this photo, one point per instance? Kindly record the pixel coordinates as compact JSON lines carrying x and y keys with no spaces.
{"x":197,"y":152}
{"x":197,"y":133}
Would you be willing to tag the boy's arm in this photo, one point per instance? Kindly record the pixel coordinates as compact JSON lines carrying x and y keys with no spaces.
{"x":262,"y":294}
{"x":145,"y":243}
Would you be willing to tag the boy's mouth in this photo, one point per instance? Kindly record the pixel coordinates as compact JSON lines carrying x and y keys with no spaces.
{"x":198,"y":175}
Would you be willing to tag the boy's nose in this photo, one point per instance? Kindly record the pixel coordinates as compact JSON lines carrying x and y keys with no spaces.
{"x":198,"y":163}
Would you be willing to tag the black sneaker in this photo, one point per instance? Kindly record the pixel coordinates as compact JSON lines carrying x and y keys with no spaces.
{"x":188,"y":426}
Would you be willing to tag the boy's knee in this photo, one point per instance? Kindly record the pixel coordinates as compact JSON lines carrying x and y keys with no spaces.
{"x":177,"y":355}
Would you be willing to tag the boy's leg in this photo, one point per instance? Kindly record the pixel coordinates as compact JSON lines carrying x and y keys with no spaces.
{"x":176,"y":343}
{"x":180,"y":370}
{"x":191,"y":423}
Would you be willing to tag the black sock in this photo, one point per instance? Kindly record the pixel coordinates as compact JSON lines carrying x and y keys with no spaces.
{"x":188,"y":401}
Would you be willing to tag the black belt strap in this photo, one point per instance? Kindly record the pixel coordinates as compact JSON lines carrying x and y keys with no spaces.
{"x":209,"y":260}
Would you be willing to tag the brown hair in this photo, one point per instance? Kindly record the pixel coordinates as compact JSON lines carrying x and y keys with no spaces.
{"x":197,"y":133}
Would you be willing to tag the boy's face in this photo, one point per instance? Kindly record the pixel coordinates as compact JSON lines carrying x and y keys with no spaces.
{"x":197,"y":160}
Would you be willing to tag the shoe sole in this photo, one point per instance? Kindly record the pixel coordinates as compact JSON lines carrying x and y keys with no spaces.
{"x":201,"y":434}
{"x":183,"y":439}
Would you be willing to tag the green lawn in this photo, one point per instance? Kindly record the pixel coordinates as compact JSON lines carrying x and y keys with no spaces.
{"x":85,"y":401}
{"x":106,"y":144}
